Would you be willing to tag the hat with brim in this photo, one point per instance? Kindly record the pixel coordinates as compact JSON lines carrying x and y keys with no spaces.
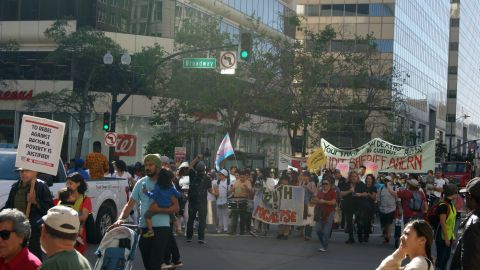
{"x":183,"y":165}
{"x":412,"y":182}
{"x":224,"y":172}
{"x":63,"y":219}
{"x":473,"y":187}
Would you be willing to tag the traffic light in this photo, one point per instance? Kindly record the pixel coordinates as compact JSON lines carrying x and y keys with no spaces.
{"x":245,"y":46}
{"x":106,"y":121}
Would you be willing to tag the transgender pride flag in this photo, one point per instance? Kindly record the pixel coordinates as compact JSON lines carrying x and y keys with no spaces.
{"x":224,"y":151}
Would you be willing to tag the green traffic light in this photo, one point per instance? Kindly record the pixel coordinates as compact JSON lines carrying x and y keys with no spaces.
{"x":243,"y":54}
{"x":105,"y":127}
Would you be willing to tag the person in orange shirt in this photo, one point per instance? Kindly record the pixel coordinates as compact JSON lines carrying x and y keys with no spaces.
{"x":96,"y":162}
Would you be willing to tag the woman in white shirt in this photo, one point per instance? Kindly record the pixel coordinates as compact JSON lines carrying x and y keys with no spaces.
{"x":416,"y":244}
{"x":220,"y":190}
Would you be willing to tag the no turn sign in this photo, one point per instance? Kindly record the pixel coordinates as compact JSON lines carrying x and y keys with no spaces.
{"x":228,"y":60}
{"x":111,"y":139}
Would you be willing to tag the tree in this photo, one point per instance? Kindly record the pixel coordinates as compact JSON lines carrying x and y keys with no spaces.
{"x":83,"y":50}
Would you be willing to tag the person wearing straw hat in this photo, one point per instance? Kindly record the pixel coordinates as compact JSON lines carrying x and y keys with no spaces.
{"x":32,"y":197}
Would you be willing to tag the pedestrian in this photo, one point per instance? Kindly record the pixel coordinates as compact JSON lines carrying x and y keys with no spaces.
{"x":200,"y":185}
{"x":326,"y":200}
{"x":212,"y":201}
{"x":14,"y":234}
{"x":310,"y":190}
{"x":153,"y":249}
{"x":386,"y":206}
{"x":339,"y":213}
{"x":184,"y":183}
{"x":467,"y":252}
{"x":76,"y":198}
{"x":445,"y":234}
{"x":34,"y":203}
{"x":96,"y":162}
{"x":361,"y":173}
{"x":354,"y":193}
{"x":59,"y":233}
{"x":120,"y":171}
{"x":76,"y":165}
{"x":221,"y":191}
{"x":414,"y":202}
{"x":370,"y":209}
{"x":283,"y":230}
{"x":416,"y":245}
{"x":437,"y":188}
{"x":241,"y":191}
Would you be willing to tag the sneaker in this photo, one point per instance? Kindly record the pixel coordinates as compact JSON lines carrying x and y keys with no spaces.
{"x":148,"y":234}
{"x":201,"y":241}
{"x":189,"y":240}
{"x":322,"y":250}
{"x":253,"y":233}
{"x":178,"y":264}
{"x":166,"y":266}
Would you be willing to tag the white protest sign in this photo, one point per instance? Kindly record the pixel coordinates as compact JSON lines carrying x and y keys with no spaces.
{"x":40,"y":144}
{"x":283,"y":205}
{"x":387,"y":157}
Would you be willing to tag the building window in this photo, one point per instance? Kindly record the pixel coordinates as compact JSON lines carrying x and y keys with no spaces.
{"x":312,"y":10}
{"x":455,"y":22}
{"x":158,"y":11}
{"x":453,"y":46}
{"x":143,"y":12}
{"x":326,"y":10}
{"x":337,"y":10}
{"x":453,"y":70}
{"x":452,"y":94}
{"x":300,"y":9}
{"x":350,"y":10}
{"x":362,"y":10}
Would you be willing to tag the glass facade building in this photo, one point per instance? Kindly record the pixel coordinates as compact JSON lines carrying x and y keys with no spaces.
{"x":412,"y":35}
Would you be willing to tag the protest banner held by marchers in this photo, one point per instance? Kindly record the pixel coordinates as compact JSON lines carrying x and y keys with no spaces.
{"x":40,"y":144}
{"x":387,"y":157}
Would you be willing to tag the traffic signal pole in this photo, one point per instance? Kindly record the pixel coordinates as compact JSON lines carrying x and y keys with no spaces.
{"x":113,"y":121}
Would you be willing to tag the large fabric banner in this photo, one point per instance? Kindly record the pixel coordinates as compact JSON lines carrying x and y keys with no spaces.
{"x":386,"y":156}
{"x":285,"y":160}
{"x":283,"y":205}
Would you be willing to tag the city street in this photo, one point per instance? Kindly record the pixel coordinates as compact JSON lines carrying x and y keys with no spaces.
{"x":246,"y":252}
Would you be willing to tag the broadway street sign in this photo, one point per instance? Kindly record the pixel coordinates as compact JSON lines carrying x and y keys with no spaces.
{"x":199,"y":62}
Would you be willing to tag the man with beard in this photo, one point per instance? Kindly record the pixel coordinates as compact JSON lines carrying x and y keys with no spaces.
{"x":153,"y":249}
{"x":40,"y":200}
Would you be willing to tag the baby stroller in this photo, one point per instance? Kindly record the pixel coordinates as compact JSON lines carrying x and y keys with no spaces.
{"x":117,"y":248}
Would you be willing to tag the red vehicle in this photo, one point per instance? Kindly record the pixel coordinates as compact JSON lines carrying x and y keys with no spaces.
{"x":458,"y":172}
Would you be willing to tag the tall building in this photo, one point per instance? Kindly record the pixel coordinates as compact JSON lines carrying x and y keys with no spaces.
{"x":133,"y":24}
{"x":412,"y":35}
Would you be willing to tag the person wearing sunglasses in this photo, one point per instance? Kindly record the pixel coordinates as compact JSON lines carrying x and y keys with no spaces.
{"x":14,"y":234}
{"x":467,"y":252}
{"x":325,"y":203}
{"x":40,"y":201}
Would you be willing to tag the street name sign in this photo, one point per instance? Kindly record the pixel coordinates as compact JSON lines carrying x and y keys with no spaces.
{"x":199,"y":62}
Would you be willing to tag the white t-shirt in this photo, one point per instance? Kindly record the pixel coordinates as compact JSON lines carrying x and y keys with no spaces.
{"x":222,"y":192}
{"x":125,"y":175}
{"x":438,"y":182}
{"x":184,"y":182}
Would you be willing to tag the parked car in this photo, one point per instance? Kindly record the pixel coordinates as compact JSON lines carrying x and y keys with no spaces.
{"x":108,"y":195}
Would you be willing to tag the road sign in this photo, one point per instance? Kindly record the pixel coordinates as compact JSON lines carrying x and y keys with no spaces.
{"x":110,"y":139}
{"x":199,"y":63}
{"x":228,"y":60}
{"x":126,"y":145}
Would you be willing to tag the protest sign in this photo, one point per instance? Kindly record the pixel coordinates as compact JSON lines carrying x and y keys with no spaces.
{"x":371,"y":168}
{"x":40,"y":144}
{"x":285,"y":160}
{"x":283,"y":205}
{"x":388,"y":157}
{"x":316,"y":160}
{"x":343,"y":168}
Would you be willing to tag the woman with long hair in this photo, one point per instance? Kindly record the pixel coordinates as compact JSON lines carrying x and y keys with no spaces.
{"x":416,"y":244}
{"x":369,"y":209}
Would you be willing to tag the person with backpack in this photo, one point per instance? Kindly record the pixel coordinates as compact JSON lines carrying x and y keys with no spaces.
{"x":445,"y":234}
{"x":220,"y":190}
{"x":414,"y":202}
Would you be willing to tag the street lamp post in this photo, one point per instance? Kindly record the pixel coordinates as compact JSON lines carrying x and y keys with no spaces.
{"x":465,"y":116}
{"x":108,"y":60}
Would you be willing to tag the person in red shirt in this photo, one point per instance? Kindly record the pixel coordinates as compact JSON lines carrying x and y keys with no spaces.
{"x":406,"y":195}
{"x":14,"y":234}
{"x":326,"y":201}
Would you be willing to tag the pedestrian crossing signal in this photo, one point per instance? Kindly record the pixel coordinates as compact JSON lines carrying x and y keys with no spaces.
{"x":106,"y":121}
{"x":245,"y":46}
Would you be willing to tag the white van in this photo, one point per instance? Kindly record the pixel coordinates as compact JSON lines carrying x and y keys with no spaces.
{"x":108,"y":195}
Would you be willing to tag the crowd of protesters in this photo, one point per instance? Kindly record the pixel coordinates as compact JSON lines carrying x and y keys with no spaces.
{"x":419,"y":213}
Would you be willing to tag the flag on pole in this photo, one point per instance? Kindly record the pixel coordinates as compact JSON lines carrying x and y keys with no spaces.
{"x":224,"y":151}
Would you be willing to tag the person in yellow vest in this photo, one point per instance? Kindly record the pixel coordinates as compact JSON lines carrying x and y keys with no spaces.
{"x":445,"y":236}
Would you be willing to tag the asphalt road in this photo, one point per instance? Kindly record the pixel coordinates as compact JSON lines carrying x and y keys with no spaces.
{"x":246,"y":252}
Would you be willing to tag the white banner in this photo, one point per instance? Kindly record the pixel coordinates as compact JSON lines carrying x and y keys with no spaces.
{"x":40,"y":144}
{"x":285,"y":160}
{"x":381,"y":156}
{"x":283,"y":205}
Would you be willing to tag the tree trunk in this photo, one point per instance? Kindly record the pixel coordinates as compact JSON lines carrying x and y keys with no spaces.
{"x":81,"y":132}
{"x":304,"y":145}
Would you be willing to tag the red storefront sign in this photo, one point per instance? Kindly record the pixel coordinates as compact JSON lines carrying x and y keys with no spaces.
{"x":126,"y":145}
{"x":16,"y":95}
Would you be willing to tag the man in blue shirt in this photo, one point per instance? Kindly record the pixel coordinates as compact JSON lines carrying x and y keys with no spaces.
{"x":151,"y":247}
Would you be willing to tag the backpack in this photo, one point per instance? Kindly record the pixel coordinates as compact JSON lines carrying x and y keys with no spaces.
{"x":432,"y":216}
{"x":416,"y":202}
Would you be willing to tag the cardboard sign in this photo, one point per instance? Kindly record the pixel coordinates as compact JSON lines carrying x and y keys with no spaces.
{"x":126,"y":145}
{"x":387,"y":157}
{"x":40,"y":144}
{"x":371,"y":168}
{"x":285,"y":160}
{"x":343,"y":168}
{"x":316,"y":160}
{"x":283,"y":205}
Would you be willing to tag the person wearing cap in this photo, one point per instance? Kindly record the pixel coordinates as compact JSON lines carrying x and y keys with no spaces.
{"x":183,"y":185}
{"x":77,"y":166}
{"x":387,"y":205}
{"x":406,"y":195}
{"x":40,"y":201}
{"x":200,"y":185}
{"x":220,"y":190}
{"x":445,"y":234}
{"x":14,"y":234}
{"x":60,"y":228}
{"x":153,"y":249}
{"x":96,"y":162}
{"x":467,"y":252}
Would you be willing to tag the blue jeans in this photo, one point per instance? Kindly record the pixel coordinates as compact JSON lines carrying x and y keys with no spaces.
{"x":323,"y":229}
